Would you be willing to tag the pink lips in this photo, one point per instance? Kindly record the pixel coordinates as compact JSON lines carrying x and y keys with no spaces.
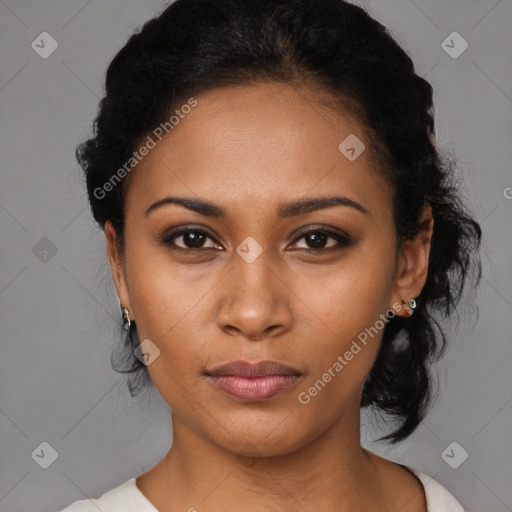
{"x":253,"y":382}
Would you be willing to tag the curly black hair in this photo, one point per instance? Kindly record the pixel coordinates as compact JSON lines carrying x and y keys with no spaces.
{"x":197,"y":45}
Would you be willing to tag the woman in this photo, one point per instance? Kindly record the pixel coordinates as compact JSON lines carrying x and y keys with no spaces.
{"x":283,"y":236}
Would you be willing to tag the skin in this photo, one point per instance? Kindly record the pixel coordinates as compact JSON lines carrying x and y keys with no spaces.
{"x":247,"y":149}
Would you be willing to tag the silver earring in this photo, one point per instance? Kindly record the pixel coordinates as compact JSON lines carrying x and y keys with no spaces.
{"x":412,"y":305}
{"x":126,"y":317}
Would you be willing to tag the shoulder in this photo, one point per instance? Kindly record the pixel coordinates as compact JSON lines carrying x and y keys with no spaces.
{"x":124,"y":498}
{"x":438,"y":498}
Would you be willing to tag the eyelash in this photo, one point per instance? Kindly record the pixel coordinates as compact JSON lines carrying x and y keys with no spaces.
{"x":343,"y":241}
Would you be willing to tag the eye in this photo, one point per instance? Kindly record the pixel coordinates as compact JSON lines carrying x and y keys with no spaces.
{"x":192,"y":239}
{"x":317,"y":240}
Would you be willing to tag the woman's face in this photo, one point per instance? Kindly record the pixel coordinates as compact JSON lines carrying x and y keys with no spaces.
{"x":252,"y":285}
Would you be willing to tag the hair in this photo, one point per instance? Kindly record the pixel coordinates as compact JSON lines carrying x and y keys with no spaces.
{"x":198,"y":45}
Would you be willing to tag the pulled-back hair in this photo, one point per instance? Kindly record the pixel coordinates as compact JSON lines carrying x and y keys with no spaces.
{"x":197,"y":45}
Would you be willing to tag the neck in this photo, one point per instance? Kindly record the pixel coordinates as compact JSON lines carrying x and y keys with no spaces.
{"x":332,"y":472}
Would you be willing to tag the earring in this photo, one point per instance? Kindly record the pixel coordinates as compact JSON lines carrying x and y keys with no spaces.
{"x":411,"y":305}
{"x":126,"y":317}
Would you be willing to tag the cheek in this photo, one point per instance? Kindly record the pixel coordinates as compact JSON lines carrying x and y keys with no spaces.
{"x":340,"y":360}
{"x":346,"y":298}
{"x":349,"y":320}
{"x":163,"y":293}
{"x":169,"y":311}
{"x":168,"y":305}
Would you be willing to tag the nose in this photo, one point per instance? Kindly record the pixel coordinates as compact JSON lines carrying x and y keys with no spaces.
{"x":255,"y":302}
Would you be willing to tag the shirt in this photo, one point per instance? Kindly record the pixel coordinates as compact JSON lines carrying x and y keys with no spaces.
{"x":128,"y":498}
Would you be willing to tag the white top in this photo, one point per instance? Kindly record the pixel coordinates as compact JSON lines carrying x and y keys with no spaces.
{"x":128,"y":498}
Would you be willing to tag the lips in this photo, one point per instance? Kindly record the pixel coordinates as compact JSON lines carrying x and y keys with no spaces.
{"x":260,"y":369}
{"x":253,"y":382}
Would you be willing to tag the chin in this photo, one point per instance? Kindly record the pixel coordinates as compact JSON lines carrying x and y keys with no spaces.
{"x":260,"y":442}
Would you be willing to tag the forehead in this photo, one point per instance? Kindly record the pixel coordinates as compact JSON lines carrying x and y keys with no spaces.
{"x":260,"y":145}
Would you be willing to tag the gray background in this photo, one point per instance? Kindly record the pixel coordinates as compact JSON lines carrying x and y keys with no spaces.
{"x":58,"y":316}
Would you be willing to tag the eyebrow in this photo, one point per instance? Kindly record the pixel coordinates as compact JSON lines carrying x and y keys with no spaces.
{"x":289,"y":209}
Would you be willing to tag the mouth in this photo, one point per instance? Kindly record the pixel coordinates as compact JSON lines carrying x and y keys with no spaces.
{"x":253,"y":382}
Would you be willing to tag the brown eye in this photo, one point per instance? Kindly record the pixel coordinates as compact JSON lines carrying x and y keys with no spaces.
{"x":317,"y":240}
{"x":192,"y":239}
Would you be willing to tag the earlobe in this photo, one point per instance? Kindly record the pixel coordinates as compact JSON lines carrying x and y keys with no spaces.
{"x":413,"y":266}
{"x":411,"y":306}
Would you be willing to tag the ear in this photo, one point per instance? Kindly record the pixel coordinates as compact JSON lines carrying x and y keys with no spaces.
{"x":117,"y":267}
{"x":412,"y":265}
